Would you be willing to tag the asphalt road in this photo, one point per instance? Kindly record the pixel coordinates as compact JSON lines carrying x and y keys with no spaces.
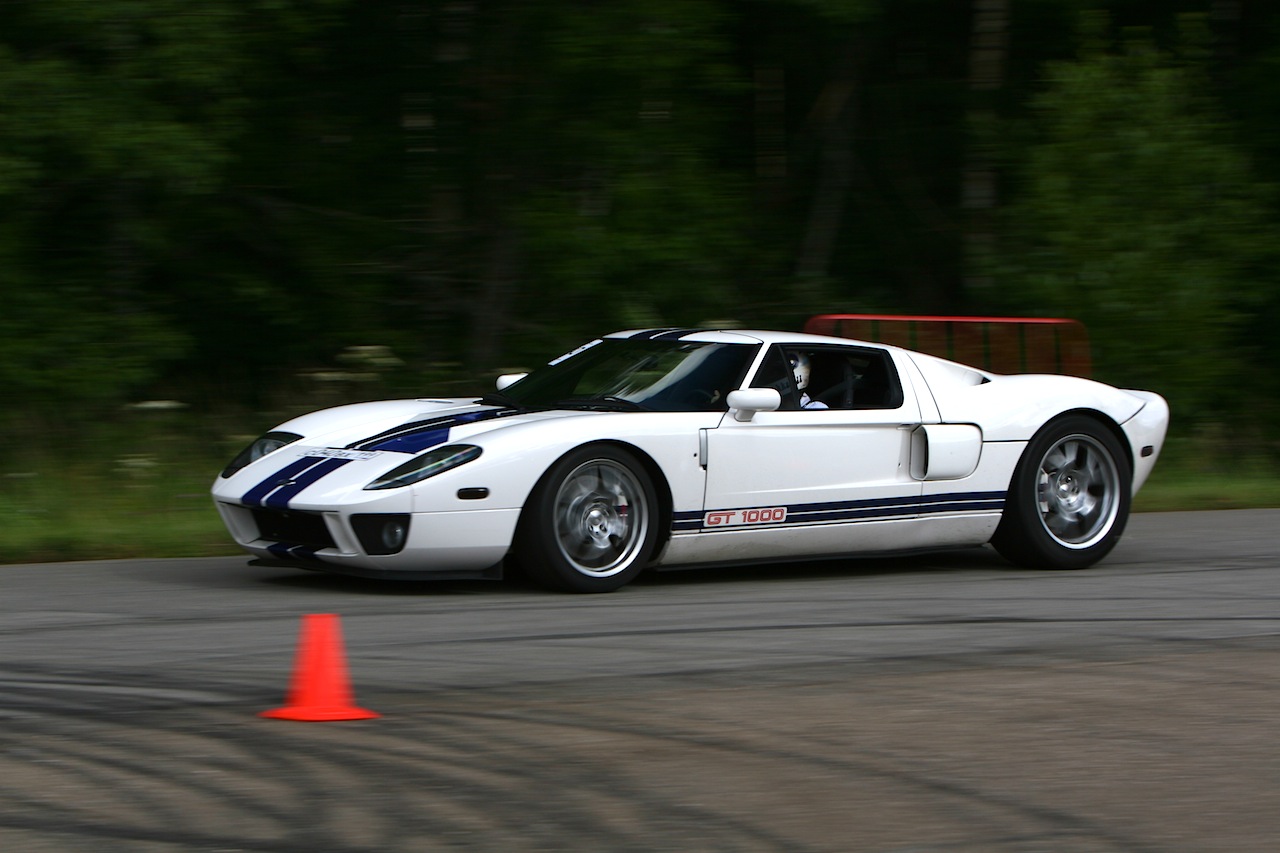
{"x":937,"y":703}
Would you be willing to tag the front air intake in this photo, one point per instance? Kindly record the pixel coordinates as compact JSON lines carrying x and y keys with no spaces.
{"x":291,"y":527}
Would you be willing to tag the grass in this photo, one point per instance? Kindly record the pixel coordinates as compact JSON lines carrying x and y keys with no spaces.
{"x":149,"y":496}
{"x":85,"y":515}
{"x":1176,"y":489}
{"x":132,"y":485}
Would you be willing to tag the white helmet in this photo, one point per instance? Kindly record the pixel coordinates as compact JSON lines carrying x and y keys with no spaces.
{"x":800,"y":369}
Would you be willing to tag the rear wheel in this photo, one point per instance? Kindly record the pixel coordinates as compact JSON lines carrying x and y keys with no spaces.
{"x":590,"y":524}
{"x":1069,"y":499}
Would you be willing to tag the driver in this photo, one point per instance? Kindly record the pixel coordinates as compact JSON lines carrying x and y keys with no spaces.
{"x":800,"y":369}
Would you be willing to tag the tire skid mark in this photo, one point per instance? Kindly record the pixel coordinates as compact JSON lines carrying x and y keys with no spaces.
{"x":1058,"y":824}
{"x":284,"y":788}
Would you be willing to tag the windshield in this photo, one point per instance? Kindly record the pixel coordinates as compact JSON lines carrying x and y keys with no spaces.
{"x":625,"y":374}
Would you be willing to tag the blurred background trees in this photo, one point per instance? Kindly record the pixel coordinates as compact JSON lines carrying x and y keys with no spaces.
{"x":205,"y":199}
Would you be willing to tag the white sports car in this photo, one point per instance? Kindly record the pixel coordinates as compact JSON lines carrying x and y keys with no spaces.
{"x":675,"y":447}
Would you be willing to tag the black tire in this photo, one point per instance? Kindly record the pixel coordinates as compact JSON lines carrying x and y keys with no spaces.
{"x":1069,"y":499}
{"x":591,"y":523}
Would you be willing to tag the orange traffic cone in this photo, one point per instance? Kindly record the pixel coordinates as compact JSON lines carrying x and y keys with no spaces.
{"x":320,"y":689}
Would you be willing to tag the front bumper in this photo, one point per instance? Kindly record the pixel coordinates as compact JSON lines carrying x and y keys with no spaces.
{"x":439,"y":544}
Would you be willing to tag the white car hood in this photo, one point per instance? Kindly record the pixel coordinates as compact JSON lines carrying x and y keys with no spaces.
{"x":405,"y":426}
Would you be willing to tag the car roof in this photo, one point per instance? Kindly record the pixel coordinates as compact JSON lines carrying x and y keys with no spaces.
{"x":736,"y":336}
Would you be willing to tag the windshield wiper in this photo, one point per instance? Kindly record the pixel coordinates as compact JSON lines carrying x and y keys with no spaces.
{"x":605,"y":402}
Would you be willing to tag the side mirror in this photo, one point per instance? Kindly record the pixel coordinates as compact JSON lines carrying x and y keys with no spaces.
{"x":745,"y":402}
{"x":506,"y":380}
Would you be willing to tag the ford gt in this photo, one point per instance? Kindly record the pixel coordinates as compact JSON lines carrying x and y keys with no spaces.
{"x":667,"y":448}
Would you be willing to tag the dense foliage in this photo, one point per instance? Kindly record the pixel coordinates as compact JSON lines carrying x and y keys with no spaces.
{"x":206,"y":198}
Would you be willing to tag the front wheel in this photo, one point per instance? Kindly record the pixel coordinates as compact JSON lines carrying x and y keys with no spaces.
{"x":1069,"y":499}
{"x":591,"y":523}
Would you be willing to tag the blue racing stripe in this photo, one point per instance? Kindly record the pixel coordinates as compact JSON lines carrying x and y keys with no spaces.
{"x":675,"y":334}
{"x":965,"y":502}
{"x":419,"y":435}
{"x":684,"y":520}
{"x":414,"y":442}
{"x":647,"y":334}
{"x":869,"y":513}
{"x":255,"y":496}
{"x":879,"y":509}
{"x":670,"y":333}
{"x":276,"y":490}
{"x":279,"y":499}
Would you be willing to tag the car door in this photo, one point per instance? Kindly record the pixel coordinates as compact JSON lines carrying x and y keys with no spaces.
{"x":840,"y":463}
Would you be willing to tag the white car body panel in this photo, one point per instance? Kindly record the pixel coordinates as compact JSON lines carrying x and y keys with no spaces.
{"x":945,"y":451}
{"x":1013,"y":408}
{"x":1146,"y":432}
{"x":868,"y":537}
{"x":931,"y":472}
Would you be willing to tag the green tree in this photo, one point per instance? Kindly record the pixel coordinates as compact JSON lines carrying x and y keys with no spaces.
{"x":120,"y":125}
{"x":1137,"y":214}
{"x":631,"y":204}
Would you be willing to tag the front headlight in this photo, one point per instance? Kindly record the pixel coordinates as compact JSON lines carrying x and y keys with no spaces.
{"x":427,"y":465}
{"x":269,"y":443}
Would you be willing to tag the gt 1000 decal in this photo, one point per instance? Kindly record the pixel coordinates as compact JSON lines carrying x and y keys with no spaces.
{"x":736,"y":517}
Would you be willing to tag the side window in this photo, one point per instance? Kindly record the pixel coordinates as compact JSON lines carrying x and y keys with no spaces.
{"x":841,"y":378}
{"x":877,"y":385}
{"x":775,"y":373}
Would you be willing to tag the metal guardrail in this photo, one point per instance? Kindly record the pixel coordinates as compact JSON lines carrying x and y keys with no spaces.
{"x":997,"y":344}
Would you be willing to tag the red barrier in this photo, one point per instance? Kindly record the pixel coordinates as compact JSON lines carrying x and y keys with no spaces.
{"x":997,"y":344}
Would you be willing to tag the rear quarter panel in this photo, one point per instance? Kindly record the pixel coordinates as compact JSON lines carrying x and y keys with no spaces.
{"x":1012,"y":408}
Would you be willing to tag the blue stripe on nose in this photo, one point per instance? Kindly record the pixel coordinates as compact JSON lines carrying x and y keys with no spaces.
{"x":255,"y":496}
{"x":279,"y":499}
{"x":277,"y":490}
